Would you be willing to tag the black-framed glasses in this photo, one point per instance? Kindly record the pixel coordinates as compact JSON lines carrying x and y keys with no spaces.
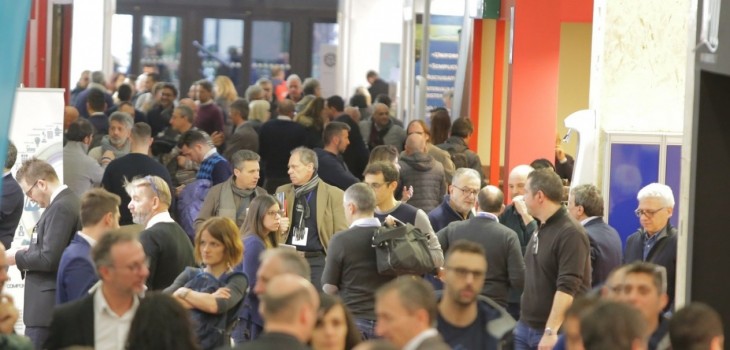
{"x":467,"y":191}
{"x":375,"y":185}
{"x":649,"y":213}
{"x":30,"y":190}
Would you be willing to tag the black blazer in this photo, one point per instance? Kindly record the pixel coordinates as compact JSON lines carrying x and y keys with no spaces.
{"x":606,"y":254}
{"x":72,"y":324}
{"x":273,"y":341}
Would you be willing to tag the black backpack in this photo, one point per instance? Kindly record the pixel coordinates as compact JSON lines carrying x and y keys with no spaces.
{"x":458,"y":155}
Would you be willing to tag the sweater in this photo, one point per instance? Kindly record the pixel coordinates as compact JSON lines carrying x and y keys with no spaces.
{"x":210,"y":118}
{"x":333,"y":170}
{"x":444,"y":214}
{"x":169,"y":251}
{"x":214,"y":168}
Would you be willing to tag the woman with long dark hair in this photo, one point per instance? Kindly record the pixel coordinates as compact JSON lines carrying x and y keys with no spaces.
{"x":161,"y":323}
{"x":335,"y":329}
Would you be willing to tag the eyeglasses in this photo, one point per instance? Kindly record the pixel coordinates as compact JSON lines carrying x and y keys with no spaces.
{"x":649,"y":213}
{"x":467,"y":191}
{"x":375,"y":185}
{"x":135,"y":267}
{"x":464,"y":273}
{"x":28,"y":193}
{"x":274,"y":212}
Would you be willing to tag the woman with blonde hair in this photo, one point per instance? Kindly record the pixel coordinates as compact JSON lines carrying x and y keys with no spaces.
{"x":260,"y":231}
{"x":419,"y":127}
{"x":214,"y":292}
{"x":311,"y":118}
{"x":225,"y":93}
{"x":259,"y":112}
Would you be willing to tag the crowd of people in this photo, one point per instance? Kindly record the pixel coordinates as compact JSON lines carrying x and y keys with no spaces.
{"x":212,"y":221}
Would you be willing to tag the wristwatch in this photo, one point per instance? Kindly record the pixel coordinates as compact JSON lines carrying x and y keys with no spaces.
{"x":549,"y":331}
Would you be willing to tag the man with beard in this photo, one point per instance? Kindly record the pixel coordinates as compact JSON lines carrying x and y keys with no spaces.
{"x":116,"y":141}
{"x":463,"y":316}
{"x":165,"y":243}
{"x":159,"y":115}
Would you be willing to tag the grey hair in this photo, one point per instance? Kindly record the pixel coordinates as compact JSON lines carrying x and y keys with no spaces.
{"x":263,"y":81}
{"x":292,"y":78}
{"x":465,"y":172}
{"x":589,"y":197}
{"x":123,"y":118}
{"x":362,"y":196}
{"x":254,"y":91}
{"x":307,"y":156}
{"x":187,"y":112}
{"x":657,"y":190}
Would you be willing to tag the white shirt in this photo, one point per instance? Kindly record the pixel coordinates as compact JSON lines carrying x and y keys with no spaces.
{"x":158,"y":218}
{"x":87,"y":238}
{"x":110,"y":330}
{"x":366,"y":222}
{"x":588,"y":219}
{"x":56,"y":192}
{"x":417,"y":340}
{"x":210,"y":153}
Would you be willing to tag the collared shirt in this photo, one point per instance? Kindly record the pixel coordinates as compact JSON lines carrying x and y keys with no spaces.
{"x":588,"y":219}
{"x":110,"y":330}
{"x":87,"y":238}
{"x":366,"y":222}
{"x":158,"y":218}
{"x":210,"y":153}
{"x":649,"y":242}
{"x":417,"y":340}
{"x":284,"y":117}
{"x":56,"y":192}
{"x":484,"y":214}
{"x":6,"y":173}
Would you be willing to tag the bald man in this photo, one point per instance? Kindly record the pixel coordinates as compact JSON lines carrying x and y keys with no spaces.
{"x":425,"y":174}
{"x":506,"y":266}
{"x":289,"y":306}
{"x":381,"y":130}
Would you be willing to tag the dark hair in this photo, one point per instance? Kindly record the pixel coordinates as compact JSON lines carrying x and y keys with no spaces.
{"x":390,"y":173}
{"x":192,"y":137}
{"x":154,"y":76}
{"x":462,"y":127}
{"x":309,"y":87}
{"x":371,"y":74}
{"x":612,"y":326}
{"x":204,"y":84}
{"x":548,"y":182}
{"x":187,"y":112}
{"x":383,"y":153}
{"x":542,"y":163}
{"x":240,"y":105}
{"x":440,"y":125}
{"x":694,"y":326}
{"x":35,"y":169}
{"x":384,"y":99}
{"x":326,"y":304}
{"x":490,"y":199}
{"x":332,"y":130}
{"x":244,"y":155}
{"x":657,"y":273}
{"x":336,"y":102}
{"x":169,"y":86}
{"x":79,"y":130}
{"x":95,"y":203}
{"x":96,"y":100}
{"x":359,"y":101}
{"x":160,"y":322}
{"x":102,"y":251}
{"x":124,"y":92}
{"x":141,"y":131}
{"x":581,"y":306}
{"x":588,"y":197}
{"x":12,"y":155}
{"x":254,"y":222}
{"x":414,"y":294}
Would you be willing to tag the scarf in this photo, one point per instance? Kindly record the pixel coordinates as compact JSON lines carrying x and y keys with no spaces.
{"x":299,"y":194}
{"x":106,"y":145}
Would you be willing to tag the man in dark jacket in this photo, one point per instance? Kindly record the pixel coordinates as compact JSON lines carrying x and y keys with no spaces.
{"x":459,"y":203}
{"x":426,"y":175}
{"x":332,"y":168}
{"x":457,"y":146}
{"x":277,"y":138}
{"x":377,"y":86}
{"x":356,"y":154}
{"x":656,"y":240}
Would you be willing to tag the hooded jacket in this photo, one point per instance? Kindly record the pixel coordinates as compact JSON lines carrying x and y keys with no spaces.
{"x":427,"y":177}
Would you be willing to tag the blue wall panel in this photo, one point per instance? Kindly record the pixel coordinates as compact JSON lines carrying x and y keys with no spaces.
{"x":672,"y":177}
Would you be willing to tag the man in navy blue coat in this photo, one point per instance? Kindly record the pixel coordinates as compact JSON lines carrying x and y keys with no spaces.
{"x":332,"y":168}
{"x":11,"y":204}
{"x":656,"y":240}
{"x":76,"y":272}
{"x":459,"y":204}
{"x":585,"y":205}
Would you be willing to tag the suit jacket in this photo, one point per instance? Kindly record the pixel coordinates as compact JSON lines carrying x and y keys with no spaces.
{"x":245,"y":137}
{"x":53,"y":233}
{"x":11,"y":209}
{"x":72,"y":325}
{"x":330,"y":210}
{"x":76,"y":272}
{"x":273,"y":341}
{"x":606,"y":253}
{"x":433,"y":343}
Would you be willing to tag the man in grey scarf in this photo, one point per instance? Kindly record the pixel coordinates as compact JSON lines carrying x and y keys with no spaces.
{"x":315,"y":210}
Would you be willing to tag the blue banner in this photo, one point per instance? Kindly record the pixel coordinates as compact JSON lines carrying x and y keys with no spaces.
{"x":14,"y":22}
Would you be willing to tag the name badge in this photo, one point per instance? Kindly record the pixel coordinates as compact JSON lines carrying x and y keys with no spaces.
{"x":299,"y":237}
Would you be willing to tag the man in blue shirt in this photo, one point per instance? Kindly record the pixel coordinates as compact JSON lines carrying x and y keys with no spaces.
{"x":463,"y":315}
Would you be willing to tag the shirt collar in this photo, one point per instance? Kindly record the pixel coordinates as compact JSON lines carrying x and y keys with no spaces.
{"x":210,"y":153}
{"x":7,"y":173}
{"x":660,"y":234}
{"x":588,"y":219}
{"x":87,"y":238}
{"x":57,"y":191}
{"x":158,"y":218}
{"x":365,"y":222}
{"x":417,"y":340}
{"x":284,"y":117}
{"x":484,"y":214}
{"x":100,"y":304}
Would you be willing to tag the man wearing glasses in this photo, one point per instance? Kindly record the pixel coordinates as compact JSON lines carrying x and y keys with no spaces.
{"x":557,"y":263}
{"x":38,"y":263}
{"x":656,"y":240}
{"x":459,"y":203}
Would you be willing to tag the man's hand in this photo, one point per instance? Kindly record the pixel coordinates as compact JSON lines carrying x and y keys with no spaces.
{"x":182,"y":161}
{"x":10,"y":254}
{"x":560,"y":154}
{"x":8,"y":314}
{"x":218,"y":138}
{"x":521,"y":207}
{"x":407,"y":194}
{"x":283,"y":225}
{"x":547,"y":342}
